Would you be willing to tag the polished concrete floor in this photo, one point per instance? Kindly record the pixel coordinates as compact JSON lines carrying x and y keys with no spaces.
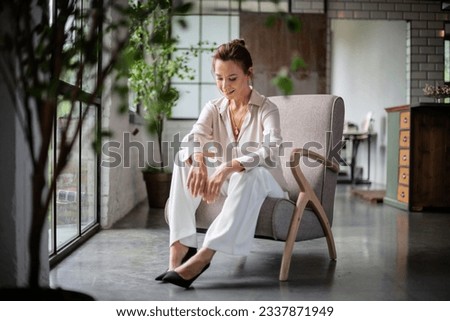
{"x":383,"y":254}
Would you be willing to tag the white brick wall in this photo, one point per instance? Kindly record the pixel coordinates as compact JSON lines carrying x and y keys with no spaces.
{"x":426,"y":20}
{"x":308,"y":6}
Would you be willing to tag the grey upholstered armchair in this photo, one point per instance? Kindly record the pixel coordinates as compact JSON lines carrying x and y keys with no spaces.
{"x":314,"y":125}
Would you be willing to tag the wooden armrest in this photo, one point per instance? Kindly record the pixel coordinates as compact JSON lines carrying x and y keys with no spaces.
{"x":301,"y":152}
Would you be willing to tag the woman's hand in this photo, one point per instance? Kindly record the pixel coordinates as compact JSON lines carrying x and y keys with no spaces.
{"x":198,"y":175}
{"x":215,"y":182}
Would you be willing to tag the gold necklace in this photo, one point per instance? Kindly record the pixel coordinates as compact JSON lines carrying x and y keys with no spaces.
{"x":237,"y":126}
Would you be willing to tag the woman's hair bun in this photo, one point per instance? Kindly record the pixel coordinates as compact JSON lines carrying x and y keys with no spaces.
{"x":240,"y":42}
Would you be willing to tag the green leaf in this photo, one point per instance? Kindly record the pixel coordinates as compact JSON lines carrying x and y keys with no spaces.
{"x":182,"y":23}
{"x":183,"y":8}
{"x":271,"y":21}
{"x":293,"y":23}
{"x":297,"y":63}
{"x":123,"y":108}
{"x":283,"y":82}
{"x":152,"y":126}
{"x":169,"y":96}
{"x":97,"y":143}
{"x":106,"y":133}
{"x":159,"y":37}
{"x":164,"y":4}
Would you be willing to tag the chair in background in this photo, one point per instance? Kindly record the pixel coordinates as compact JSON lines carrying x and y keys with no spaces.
{"x":314,"y":126}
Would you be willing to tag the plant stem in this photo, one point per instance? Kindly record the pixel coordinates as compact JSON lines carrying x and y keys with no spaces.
{"x":160,"y":130}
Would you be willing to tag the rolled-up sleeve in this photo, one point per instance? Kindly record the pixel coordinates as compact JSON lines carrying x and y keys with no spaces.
{"x":200,"y":134}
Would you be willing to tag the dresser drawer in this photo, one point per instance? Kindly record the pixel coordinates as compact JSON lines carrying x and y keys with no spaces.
{"x":404,"y":138}
{"x":405,"y":120}
{"x":403,"y":175}
{"x":403,"y":157}
{"x":403,"y":194}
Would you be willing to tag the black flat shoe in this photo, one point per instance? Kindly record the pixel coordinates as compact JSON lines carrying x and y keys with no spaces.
{"x":174,"y":278}
{"x":190,"y":253}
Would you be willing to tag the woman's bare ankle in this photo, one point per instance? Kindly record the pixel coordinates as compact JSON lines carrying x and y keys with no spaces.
{"x":206,"y":254}
{"x":177,"y":252}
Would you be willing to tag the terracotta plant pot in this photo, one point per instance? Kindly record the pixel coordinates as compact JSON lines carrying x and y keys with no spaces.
{"x":158,"y":188}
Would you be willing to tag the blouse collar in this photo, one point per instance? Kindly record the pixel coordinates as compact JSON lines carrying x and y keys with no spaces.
{"x":256,"y":99}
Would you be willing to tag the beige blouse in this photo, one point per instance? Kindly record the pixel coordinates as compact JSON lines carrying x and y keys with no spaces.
{"x":258,"y":143}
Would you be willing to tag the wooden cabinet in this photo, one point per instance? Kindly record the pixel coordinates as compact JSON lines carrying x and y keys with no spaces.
{"x":418,"y":156}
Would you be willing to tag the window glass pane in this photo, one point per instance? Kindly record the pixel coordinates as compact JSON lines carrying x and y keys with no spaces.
{"x":51,"y":211}
{"x":208,"y":92}
{"x":187,"y":105}
{"x":216,"y":6}
{"x":89,"y":78}
{"x":250,"y":5}
{"x":69,"y":76}
{"x":67,"y":185}
{"x":308,"y":6}
{"x":132,"y":104}
{"x":189,"y":36}
{"x":234,"y":6}
{"x":195,"y":9}
{"x":215,"y":29}
{"x":206,"y":67}
{"x":234,"y":24}
{"x":88,"y":169}
{"x":447,"y":60}
{"x":269,"y":6}
{"x":90,"y":71}
{"x":81,"y":25}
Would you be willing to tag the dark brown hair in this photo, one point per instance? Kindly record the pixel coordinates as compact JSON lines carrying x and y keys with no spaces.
{"x":236,"y":51}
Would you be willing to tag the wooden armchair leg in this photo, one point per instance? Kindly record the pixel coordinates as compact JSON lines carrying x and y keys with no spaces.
{"x":302,"y":201}
{"x":325,"y":223}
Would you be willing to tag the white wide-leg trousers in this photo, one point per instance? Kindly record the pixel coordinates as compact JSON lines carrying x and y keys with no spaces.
{"x":233,"y":230}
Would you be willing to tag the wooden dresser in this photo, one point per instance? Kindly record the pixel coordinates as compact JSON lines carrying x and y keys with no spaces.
{"x":418,"y":157}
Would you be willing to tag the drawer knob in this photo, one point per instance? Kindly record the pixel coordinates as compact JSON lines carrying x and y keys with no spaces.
{"x":403,"y":175}
{"x":402,"y":194}
{"x":405,"y":139}
{"x":405,"y":120}
{"x":404,"y":157}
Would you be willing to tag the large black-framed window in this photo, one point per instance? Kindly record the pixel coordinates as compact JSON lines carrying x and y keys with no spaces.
{"x":210,"y":23}
{"x":75,"y":209}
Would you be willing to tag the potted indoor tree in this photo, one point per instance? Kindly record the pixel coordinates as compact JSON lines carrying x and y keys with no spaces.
{"x":40,"y":47}
{"x":155,"y":61}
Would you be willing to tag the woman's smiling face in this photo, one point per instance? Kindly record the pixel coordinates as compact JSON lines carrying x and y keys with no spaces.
{"x":231,"y":80}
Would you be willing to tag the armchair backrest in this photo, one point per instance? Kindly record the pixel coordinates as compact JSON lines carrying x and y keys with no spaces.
{"x":312,"y":122}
